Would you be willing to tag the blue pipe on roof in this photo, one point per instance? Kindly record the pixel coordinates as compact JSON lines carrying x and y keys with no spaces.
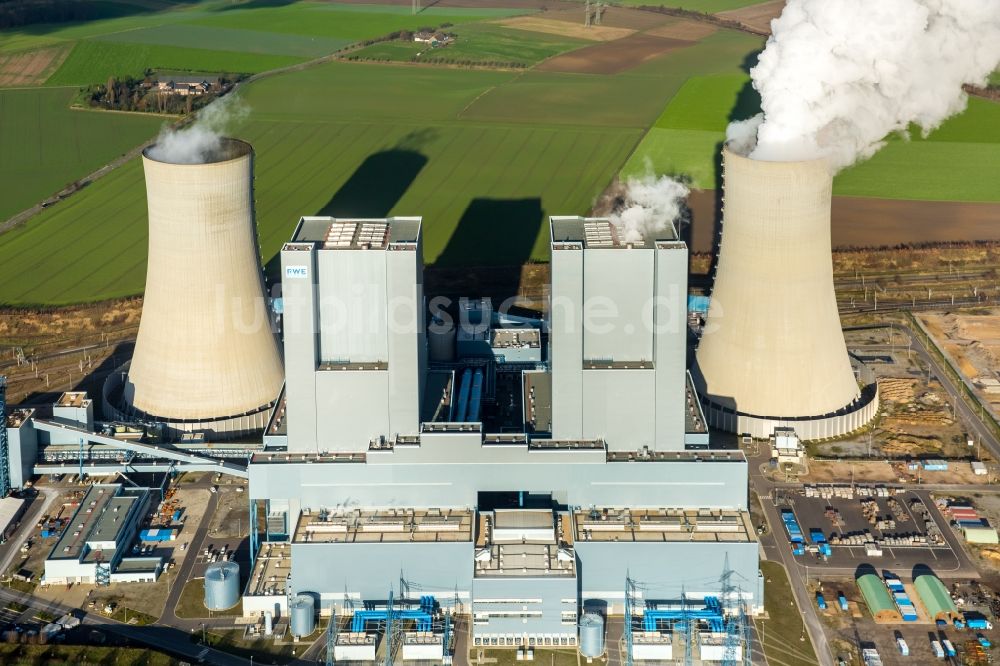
{"x":464,"y":387}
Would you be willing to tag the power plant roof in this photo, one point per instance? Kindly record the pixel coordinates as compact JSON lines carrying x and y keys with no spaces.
{"x":600,"y":233}
{"x":331,"y":233}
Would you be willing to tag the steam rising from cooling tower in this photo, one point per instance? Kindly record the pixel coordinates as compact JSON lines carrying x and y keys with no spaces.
{"x":205,"y":358}
{"x":649,"y":205}
{"x":838,"y":76}
{"x":201,"y":141}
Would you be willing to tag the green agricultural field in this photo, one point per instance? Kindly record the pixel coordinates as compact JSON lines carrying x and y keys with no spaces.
{"x":477,"y":43}
{"x":389,"y":148}
{"x":710,"y":103}
{"x":687,"y":154}
{"x":220,"y":36}
{"x":373,"y":139}
{"x":44,"y":145}
{"x":708,"y":6}
{"x":230,"y":39}
{"x":94,"y":61}
{"x":354,"y":22}
{"x":633,"y":98}
{"x":686,"y":137}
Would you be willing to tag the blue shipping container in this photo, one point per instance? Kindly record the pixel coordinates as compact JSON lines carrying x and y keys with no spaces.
{"x":156,"y":535}
{"x":842,"y":600}
{"x":177,"y":515}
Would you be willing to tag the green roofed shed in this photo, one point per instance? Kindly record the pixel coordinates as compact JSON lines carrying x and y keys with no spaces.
{"x":877,"y":597}
{"x":935,"y":598}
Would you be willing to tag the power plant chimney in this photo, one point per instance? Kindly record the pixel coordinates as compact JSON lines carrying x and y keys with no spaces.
{"x":773,"y":353}
{"x":206,"y":358}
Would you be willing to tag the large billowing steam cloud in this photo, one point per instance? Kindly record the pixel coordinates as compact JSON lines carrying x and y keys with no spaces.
{"x":199,"y":142}
{"x":838,"y":76}
{"x":648,"y":206}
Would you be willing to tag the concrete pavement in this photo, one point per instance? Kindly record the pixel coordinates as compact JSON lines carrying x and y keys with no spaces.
{"x":777,"y":550}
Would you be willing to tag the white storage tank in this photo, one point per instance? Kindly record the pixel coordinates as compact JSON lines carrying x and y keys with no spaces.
{"x":302,"y":615}
{"x":222,"y":585}
{"x":591,"y":635}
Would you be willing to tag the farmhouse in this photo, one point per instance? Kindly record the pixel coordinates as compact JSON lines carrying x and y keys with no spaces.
{"x":185,"y":87}
{"x":432,"y":38}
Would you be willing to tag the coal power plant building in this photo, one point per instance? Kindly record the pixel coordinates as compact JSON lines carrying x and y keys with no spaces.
{"x":206,"y":358}
{"x":518,"y":471}
{"x":773,"y":352}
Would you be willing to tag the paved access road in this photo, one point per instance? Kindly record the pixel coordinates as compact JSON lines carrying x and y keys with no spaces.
{"x":776,"y":549}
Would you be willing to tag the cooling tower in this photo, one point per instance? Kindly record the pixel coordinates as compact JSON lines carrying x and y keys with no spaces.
{"x":773,"y":352}
{"x":205,"y":358}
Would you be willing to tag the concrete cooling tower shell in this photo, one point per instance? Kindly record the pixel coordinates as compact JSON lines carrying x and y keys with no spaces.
{"x":773,"y":351}
{"x":205,"y":357}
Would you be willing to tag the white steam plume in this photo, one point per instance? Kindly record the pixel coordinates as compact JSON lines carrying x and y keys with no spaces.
{"x":650,"y":205}
{"x":200,"y":141}
{"x":838,"y":76}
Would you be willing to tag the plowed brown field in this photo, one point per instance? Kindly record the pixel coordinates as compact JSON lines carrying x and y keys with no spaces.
{"x":756,"y":16}
{"x":30,"y":68}
{"x":613,"y":57}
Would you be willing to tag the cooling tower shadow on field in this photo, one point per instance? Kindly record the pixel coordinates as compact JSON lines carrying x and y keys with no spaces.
{"x":499,"y":232}
{"x":496,"y":236}
{"x":373,"y":190}
{"x":377,"y":185}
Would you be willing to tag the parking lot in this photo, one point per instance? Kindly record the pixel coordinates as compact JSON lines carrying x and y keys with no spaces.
{"x":905,"y":532}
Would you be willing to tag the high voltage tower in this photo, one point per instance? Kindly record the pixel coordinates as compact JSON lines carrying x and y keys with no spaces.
{"x":723,"y":616}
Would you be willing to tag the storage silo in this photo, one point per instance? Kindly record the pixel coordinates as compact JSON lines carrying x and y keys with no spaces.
{"x":441,"y":340}
{"x":222,"y":585}
{"x":591,"y":635}
{"x":773,"y":350}
{"x":302,"y":615}
{"x":206,"y":357}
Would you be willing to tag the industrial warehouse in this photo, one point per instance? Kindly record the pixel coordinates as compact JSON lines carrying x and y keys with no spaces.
{"x":533,"y":474}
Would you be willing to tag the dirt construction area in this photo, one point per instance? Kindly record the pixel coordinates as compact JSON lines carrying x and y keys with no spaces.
{"x":972,"y":341}
{"x":30,"y":68}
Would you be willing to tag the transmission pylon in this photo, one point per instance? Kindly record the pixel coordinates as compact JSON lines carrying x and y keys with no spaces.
{"x":629,"y":617}
{"x":331,"y":635}
{"x":393,"y":631}
{"x":735,"y":620}
{"x":687,"y":632}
